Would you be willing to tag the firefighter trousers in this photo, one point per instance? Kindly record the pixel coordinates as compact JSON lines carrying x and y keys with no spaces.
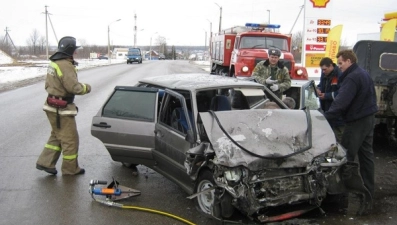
{"x":63,"y":140}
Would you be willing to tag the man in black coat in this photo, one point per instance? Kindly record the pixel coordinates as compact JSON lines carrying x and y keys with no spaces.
{"x":356,"y":103}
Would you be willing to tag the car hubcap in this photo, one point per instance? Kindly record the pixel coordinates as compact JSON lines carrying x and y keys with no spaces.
{"x":205,"y":200}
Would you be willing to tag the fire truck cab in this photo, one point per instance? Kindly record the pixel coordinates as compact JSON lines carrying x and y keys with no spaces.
{"x":236,"y":51}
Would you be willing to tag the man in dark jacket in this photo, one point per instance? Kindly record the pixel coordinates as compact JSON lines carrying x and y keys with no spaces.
{"x":356,"y":103}
{"x":327,"y":91}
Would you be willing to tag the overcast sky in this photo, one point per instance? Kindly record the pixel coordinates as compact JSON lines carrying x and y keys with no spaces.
{"x":181,"y":22}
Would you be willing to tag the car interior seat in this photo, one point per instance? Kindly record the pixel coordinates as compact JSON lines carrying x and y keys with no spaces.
{"x":239,"y":101}
{"x":220,"y":103}
{"x":179,"y":121}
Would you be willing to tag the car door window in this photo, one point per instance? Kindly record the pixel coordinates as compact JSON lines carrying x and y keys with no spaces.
{"x":176,"y":112}
{"x":131,"y":104}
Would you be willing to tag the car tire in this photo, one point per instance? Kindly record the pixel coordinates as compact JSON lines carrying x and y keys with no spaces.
{"x":206,"y":201}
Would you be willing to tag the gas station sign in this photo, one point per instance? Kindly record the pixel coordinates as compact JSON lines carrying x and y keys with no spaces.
{"x":318,"y":21}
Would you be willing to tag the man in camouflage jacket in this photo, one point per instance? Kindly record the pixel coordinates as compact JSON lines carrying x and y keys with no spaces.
{"x":273,"y":73}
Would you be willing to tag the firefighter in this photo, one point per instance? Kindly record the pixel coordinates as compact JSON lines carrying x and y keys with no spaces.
{"x":62,"y":85}
{"x":273,"y":73}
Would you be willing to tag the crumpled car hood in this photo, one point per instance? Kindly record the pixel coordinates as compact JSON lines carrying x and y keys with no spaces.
{"x":268,"y":133}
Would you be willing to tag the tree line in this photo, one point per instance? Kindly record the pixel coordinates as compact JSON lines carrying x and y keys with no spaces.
{"x":36,"y":47}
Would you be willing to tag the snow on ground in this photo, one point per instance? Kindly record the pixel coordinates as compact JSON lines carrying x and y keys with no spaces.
{"x":9,"y":74}
{"x":39,"y":68}
{"x":4,"y":58}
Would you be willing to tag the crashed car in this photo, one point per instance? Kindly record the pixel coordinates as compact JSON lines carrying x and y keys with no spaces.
{"x":214,"y":137}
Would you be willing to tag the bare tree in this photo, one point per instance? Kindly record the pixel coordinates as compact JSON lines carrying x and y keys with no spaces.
{"x":33,"y":42}
{"x":344,"y":45}
{"x":42,"y":45}
{"x":161,"y":42}
{"x":297,"y":41}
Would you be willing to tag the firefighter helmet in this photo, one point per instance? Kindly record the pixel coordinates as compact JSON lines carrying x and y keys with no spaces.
{"x":274,"y":51}
{"x":67,"y":45}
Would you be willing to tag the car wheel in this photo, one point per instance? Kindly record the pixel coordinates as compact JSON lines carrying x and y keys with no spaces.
{"x":205,"y":201}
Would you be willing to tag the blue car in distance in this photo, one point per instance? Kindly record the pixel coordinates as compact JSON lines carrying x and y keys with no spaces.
{"x":134,"y":55}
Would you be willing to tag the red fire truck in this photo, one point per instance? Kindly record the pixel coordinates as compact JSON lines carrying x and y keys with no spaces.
{"x":236,"y":51}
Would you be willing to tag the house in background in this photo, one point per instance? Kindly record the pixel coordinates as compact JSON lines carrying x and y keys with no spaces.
{"x":154,"y":54}
{"x":119,"y":53}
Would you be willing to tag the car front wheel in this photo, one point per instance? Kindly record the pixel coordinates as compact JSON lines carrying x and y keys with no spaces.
{"x":205,"y":200}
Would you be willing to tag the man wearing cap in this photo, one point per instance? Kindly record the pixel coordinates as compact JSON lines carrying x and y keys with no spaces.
{"x":62,"y":85}
{"x":273,"y":73}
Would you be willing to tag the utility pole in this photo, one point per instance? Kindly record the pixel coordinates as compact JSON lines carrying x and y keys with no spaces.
{"x":220,"y":17}
{"x":8,"y":37}
{"x":210,"y":39}
{"x":135,"y":32}
{"x":46,"y":32}
{"x":205,"y":42}
{"x":47,"y":17}
{"x":297,"y":19}
{"x":268,"y":21}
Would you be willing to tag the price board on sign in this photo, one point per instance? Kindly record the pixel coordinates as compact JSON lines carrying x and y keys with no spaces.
{"x":322,"y":22}
{"x":313,"y":59}
{"x":322,"y":39}
{"x":323,"y":30}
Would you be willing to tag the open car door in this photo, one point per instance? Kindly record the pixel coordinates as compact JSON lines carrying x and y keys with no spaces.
{"x":125,"y":124}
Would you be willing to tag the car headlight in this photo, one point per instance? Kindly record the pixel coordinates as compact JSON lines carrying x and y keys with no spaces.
{"x":233,"y":175}
{"x":244,"y":69}
{"x":299,"y":72}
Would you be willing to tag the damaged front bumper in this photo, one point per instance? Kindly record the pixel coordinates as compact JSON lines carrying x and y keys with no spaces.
{"x":254,"y":193}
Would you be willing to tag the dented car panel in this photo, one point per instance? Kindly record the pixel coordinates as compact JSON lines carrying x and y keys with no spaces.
{"x":265,"y":133}
{"x":278,"y":166}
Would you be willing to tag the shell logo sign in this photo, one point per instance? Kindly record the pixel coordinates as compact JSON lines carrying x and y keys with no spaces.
{"x":320,"y":3}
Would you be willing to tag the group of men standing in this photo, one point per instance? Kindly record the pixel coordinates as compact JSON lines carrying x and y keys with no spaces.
{"x":347,"y":98}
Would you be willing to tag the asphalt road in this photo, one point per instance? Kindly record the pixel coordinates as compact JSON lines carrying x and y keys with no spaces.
{"x":30,"y":196}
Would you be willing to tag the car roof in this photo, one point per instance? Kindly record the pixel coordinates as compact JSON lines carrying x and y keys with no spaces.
{"x":196,"y":81}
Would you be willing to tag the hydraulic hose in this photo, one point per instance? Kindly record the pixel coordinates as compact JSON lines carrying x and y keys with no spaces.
{"x":118,"y":205}
{"x":158,"y":212}
{"x":116,"y":191}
